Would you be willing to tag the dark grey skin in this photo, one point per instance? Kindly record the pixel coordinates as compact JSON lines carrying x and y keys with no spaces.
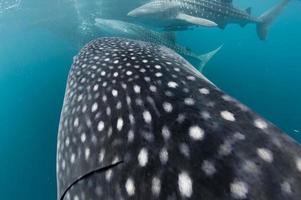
{"x":138,"y":122}
{"x":180,"y":14}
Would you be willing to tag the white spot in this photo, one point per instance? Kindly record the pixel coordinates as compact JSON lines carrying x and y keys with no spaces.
{"x":83,"y":137}
{"x":114,"y":93}
{"x":119,"y":124}
{"x":189,"y":101}
{"x":167,"y":107}
{"x":265,"y":154}
{"x":185,"y":184}
{"x":157,"y":66}
{"x":131,"y":136}
{"x":94,"y":107}
{"x":147,"y":79}
{"x":129,"y":73}
{"x":165,"y":132}
{"x":225,"y":149}
{"x":192,"y":78}
{"x":108,"y":111}
{"x":109,"y":175}
{"x":184,"y":150}
{"x":130,"y":187}
{"x":100,"y":126}
{"x":259,"y":123}
{"x":63,"y":164}
{"x":163,"y":155}
{"x":158,"y":74}
{"x":205,"y":115}
{"x":228,"y":116}
{"x":250,"y":166}
{"x":95,"y":88}
{"x":137,"y":89}
{"x":116,"y":61}
{"x":115,"y":74}
{"x":239,"y":189}
{"x":101,"y":155}
{"x":87,"y":153}
{"x":208,"y":168}
{"x":172,"y":84}
{"x":67,"y":141}
{"x":145,"y":61}
{"x":132,"y":119}
{"x":80,"y":97}
{"x":143,"y":157}
{"x":227,"y":98}
{"x":72,"y":158}
{"x":147,"y":116}
{"x":196,"y":133}
{"x":156,"y":186}
{"x":76,"y":197}
{"x":239,"y":136}
{"x":204,"y":91}
{"x":286,"y":187}
{"x":298,"y":164}
{"x":76,"y":122}
{"x":153,"y":88}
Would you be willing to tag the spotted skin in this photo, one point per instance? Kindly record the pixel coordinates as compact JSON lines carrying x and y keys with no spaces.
{"x":139,"y":123}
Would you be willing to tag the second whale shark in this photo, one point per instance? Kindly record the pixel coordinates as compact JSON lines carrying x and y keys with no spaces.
{"x":134,"y":31}
{"x":180,"y":14}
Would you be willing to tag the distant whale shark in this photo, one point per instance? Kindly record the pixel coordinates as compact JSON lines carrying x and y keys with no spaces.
{"x":139,"y":122}
{"x":209,"y":13}
{"x":133,"y":31}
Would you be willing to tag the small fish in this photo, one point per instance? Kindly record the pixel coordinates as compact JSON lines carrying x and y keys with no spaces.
{"x":139,"y":122}
{"x":133,"y":31}
{"x":208,"y":13}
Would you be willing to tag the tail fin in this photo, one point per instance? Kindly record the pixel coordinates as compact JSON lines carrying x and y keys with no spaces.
{"x":268,"y":17}
{"x":205,"y":58}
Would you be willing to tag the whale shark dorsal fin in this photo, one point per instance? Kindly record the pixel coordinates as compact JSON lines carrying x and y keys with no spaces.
{"x":195,"y":20}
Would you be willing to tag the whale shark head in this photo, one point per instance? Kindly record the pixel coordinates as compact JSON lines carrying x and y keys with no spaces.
{"x":154,"y":8}
{"x":138,"y":123}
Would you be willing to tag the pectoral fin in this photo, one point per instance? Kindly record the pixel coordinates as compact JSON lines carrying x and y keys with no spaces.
{"x":196,"y":20}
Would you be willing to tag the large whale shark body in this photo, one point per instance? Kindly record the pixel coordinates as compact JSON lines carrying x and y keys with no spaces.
{"x":139,"y":122}
{"x":210,"y":13}
{"x":133,"y":31}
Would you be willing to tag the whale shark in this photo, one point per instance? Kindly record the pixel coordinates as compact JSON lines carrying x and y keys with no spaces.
{"x":139,"y":122}
{"x":209,"y":13}
{"x":133,"y":31}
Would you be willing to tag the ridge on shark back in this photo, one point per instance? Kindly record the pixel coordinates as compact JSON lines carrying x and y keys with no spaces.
{"x":139,"y":122}
{"x":133,"y":31}
{"x":209,"y":13}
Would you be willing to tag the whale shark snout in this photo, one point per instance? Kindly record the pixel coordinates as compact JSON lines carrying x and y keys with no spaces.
{"x":138,"y":122}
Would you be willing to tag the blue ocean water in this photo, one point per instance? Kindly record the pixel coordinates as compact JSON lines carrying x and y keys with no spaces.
{"x":39,"y":39}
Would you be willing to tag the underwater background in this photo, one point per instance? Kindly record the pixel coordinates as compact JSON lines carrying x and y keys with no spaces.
{"x":38,"y":40}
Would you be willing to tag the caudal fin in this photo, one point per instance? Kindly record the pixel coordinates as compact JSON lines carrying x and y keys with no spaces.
{"x":205,"y":58}
{"x":268,"y":17}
